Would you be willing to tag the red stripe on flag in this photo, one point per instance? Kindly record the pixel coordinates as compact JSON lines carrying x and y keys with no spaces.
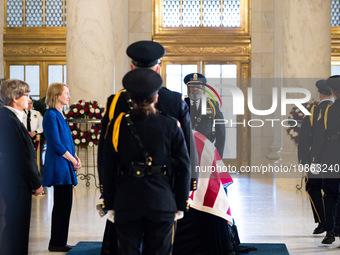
{"x":212,"y":190}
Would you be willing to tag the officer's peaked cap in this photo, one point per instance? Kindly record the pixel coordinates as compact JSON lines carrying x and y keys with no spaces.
{"x":323,"y":88}
{"x":142,"y":83}
{"x":334,"y":82}
{"x":145,"y":53}
{"x":194,"y":79}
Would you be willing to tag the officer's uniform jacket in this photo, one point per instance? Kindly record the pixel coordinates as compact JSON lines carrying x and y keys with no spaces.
{"x":163,"y":140}
{"x":204,"y":123}
{"x":307,"y":129}
{"x":36,"y":121}
{"x":326,"y":142}
{"x":170,"y":103}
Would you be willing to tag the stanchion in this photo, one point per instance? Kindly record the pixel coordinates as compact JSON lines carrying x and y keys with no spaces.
{"x":87,"y":175}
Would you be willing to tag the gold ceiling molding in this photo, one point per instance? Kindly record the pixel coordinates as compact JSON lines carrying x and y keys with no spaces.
{"x":34,"y":50}
{"x":221,"y":50}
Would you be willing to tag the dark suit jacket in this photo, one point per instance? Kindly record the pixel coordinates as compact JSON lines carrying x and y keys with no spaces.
{"x":17,"y":155}
{"x":19,"y":176}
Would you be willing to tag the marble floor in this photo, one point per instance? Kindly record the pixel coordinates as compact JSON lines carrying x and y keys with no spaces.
{"x":266,"y":210}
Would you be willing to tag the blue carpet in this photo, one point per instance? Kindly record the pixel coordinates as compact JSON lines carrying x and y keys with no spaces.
{"x":93,"y":248}
{"x":267,"y":248}
{"x":86,"y":248}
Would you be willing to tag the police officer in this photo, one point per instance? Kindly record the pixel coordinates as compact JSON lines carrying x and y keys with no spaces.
{"x":314,"y":184}
{"x":32,"y":121}
{"x":137,"y":163}
{"x":204,"y":123}
{"x":146,"y":54}
{"x":325,"y":151}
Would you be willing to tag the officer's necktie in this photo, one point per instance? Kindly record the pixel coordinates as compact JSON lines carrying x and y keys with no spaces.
{"x":29,"y":121}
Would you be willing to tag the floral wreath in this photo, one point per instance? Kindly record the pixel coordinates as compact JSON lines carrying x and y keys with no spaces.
{"x":297,"y":115}
{"x":85,"y":110}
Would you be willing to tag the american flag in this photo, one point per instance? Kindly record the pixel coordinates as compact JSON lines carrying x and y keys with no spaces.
{"x":210,"y":196}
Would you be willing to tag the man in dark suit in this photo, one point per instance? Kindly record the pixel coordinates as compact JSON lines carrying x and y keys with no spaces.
{"x":325,"y":153}
{"x":204,"y":123}
{"x":18,"y":178}
{"x":146,"y":54}
{"x":314,"y":185}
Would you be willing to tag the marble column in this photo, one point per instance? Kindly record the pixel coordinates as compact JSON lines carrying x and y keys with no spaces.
{"x":96,"y":41}
{"x":302,"y":50}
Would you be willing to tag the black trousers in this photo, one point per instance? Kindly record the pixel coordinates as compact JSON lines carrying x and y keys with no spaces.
{"x":313,"y":188}
{"x":151,"y":232}
{"x":16,"y":220}
{"x":61,"y":213}
{"x":110,"y":240}
{"x":332,"y":202}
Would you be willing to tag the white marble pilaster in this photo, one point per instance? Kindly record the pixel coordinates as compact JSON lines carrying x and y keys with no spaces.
{"x":303,"y":50}
{"x":93,"y":46}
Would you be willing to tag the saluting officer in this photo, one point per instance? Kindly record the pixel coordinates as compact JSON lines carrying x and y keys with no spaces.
{"x":313,"y":183}
{"x":138,"y":152}
{"x":146,"y":55}
{"x":325,"y":151}
{"x":204,"y":123}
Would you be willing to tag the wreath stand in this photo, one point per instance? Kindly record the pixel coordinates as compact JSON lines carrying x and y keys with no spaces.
{"x":87,"y":175}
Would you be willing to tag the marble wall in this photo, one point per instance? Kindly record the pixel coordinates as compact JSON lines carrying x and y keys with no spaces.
{"x":290,"y":39}
{"x":95,"y":39}
{"x":262,"y":67}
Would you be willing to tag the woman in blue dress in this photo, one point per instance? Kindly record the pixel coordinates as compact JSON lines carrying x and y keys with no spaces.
{"x":61,"y":162}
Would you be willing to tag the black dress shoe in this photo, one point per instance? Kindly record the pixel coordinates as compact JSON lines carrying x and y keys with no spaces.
{"x":65,"y":248}
{"x":329,"y":238}
{"x":319,"y":229}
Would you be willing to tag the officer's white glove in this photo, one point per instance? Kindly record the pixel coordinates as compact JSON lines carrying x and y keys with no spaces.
{"x":179,"y":215}
{"x":315,"y":168}
{"x":111,"y":215}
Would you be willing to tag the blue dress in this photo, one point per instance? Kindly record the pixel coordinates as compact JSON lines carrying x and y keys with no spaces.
{"x":57,"y":169}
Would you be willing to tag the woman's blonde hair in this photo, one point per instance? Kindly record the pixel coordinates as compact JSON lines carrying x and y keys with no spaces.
{"x":13,"y":89}
{"x":53,"y":91}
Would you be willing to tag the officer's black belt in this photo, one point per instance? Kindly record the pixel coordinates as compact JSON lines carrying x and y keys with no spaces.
{"x":139,"y":172}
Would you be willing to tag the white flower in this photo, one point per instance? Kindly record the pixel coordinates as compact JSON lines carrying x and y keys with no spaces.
{"x":98,"y":137}
{"x":93,"y":136}
{"x":81,"y":111}
{"x":92,"y":130}
{"x":291,"y":131}
{"x":82,"y":103}
{"x":92,"y":110}
{"x":75,"y":110}
{"x":67,"y":111}
{"x":83,"y":140}
{"x":97,"y":110}
{"x":70,"y":124}
{"x":90,"y":144}
{"x":77,"y":141}
{"x":295,"y":134}
{"x":81,"y":133}
{"x":74,"y":132}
